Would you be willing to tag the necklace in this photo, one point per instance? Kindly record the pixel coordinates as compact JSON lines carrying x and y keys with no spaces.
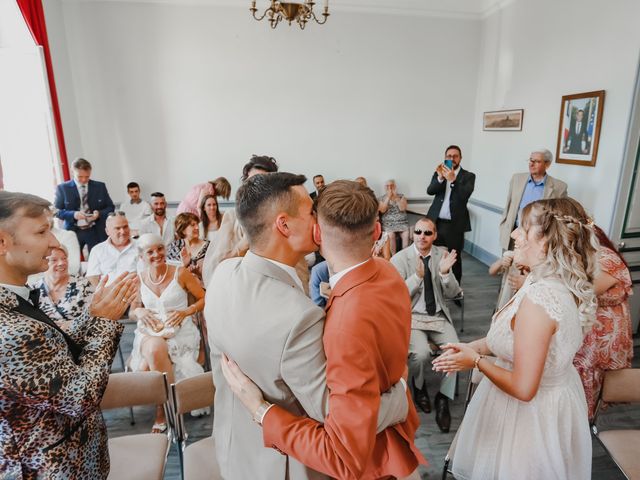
{"x":166,"y":270}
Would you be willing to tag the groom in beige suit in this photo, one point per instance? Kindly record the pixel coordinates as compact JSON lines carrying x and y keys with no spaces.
{"x":525,"y":188}
{"x":258,"y":314}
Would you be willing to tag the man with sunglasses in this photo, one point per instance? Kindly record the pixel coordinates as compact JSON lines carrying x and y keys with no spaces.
{"x":427,"y":272}
{"x":117,"y":254}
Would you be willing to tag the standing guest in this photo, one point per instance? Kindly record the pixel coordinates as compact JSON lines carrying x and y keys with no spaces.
{"x":117,"y":254}
{"x":135,"y":208}
{"x":159,"y":223}
{"x":528,"y":417}
{"x":166,"y":338}
{"x":365,"y":340}
{"x":393,"y":207}
{"x":188,"y":249}
{"x":84,"y":204}
{"x":609,"y":343}
{"x":63,"y":297}
{"x":318,"y":183}
{"x":452,"y":186}
{"x":51,"y":382}
{"x":513,"y":277}
{"x":210,"y":218}
{"x":191,"y":203}
{"x":525,"y":188}
{"x":426,"y":270}
{"x":231,"y":240}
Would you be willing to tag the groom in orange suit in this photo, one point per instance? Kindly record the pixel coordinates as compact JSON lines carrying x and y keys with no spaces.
{"x":366,"y":341}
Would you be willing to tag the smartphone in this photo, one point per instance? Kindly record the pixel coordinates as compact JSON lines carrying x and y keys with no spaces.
{"x":448,"y":164}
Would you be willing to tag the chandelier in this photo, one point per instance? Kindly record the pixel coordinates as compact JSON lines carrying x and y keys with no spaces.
{"x":290,"y":12}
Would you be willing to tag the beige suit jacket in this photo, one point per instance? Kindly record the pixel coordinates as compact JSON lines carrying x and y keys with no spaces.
{"x":258,"y":316}
{"x":444,"y":287}
{"x":553,"y":188}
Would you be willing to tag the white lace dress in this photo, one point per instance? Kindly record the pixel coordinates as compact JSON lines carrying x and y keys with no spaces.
{"x":502,"y":438}
{"x":183,"y":342}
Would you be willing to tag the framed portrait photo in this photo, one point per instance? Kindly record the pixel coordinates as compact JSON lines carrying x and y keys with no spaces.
{"x":503,"y":121}
{"x":579,"y":129}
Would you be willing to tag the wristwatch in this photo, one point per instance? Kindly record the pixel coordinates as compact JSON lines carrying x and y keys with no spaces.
{"x":258,"y":415}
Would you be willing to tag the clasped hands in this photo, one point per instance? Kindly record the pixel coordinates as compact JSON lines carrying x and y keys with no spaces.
{"x":150,"y":320}
{"x":456,"y":357}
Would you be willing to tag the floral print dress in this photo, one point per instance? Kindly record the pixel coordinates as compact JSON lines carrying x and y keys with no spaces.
{"x":609,"y":344}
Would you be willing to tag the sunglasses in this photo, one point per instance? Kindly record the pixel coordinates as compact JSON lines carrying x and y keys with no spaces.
{"x":427,"y":233}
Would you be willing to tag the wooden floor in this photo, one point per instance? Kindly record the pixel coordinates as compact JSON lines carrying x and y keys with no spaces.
{"x":481,"y":292}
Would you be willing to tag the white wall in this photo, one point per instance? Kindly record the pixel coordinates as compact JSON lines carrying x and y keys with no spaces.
{"x":171,"y":94}
{"x":533,"y":53}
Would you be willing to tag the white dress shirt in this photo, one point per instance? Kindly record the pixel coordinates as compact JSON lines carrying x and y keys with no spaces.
{"x":136,"y":212}
{"x":149,"y":225}
{"x":105,"y":259}
{"x":335,"y":278}
{"x":445,"y":210}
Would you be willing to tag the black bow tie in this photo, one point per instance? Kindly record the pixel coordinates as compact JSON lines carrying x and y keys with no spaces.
{"x":34,"y":297}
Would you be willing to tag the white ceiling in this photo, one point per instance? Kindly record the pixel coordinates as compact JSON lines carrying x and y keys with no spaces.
{"x":436,"y":8}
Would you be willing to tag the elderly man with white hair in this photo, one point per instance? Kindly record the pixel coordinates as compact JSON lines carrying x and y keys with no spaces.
{"x":524,"y":188}
{"x":529,"y":187}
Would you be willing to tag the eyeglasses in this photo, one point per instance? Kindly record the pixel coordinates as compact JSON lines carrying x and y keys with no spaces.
{"x":427,"y":233}
{"x":117,"y":213}
{"x":531,"y":160}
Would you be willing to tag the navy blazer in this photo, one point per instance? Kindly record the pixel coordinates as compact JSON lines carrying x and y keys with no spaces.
{"x":461,"y":190}
{"x":67,"y":202}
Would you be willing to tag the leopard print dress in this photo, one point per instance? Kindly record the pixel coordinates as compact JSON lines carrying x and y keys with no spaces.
{"x":50,"y":421}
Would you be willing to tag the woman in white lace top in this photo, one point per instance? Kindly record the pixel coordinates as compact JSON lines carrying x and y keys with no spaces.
{"x":528,"y":418}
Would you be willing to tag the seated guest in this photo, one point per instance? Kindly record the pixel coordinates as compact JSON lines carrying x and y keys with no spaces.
{"x":166,"y":339}
{"x":191,"y":203}
{"x":609,"y":343}
{"x":210,"y":218}
{"x":63,"y":297}
{"x":318,"y":183}
{"x":51,"y":382}
{"x":426,"y":270}
{"x":231,"y":240}
{"x":319,"y":289}
{"x":117,"y":254}
{"x":83,"y":204}
{"x":135,"y":208}
{"x":159,"y":223}
{"x":393,"y":207}
{"x":188,"y":249}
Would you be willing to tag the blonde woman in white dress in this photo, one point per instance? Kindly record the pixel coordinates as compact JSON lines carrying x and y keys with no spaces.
{"x":528,"y":417}
{"x":166,"y":339}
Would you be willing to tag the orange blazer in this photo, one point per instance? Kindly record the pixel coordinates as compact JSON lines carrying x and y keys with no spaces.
{"x":366,"y":340}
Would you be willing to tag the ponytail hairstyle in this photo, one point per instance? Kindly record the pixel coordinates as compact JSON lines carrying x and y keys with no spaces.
{"x":571,"y":249}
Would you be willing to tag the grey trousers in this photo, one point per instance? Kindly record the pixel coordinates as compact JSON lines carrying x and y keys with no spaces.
{"x":420,"y":357}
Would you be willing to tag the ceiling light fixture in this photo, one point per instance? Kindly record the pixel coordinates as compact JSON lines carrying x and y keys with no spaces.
{"x":300,"y":12}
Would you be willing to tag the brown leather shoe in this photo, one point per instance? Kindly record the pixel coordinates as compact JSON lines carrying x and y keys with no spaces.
{"x":421,"y":398}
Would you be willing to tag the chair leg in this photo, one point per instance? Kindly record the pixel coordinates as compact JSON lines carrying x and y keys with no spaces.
{"x":124,"y":367}
{"x":180,"y":447}
{"x":462,"y":315}
{"x":445,"y":469}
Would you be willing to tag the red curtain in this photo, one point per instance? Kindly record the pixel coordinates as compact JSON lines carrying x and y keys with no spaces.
{"x":33,"y":14}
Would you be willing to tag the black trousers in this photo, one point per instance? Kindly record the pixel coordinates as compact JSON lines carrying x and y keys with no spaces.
{"x":453,"y":239}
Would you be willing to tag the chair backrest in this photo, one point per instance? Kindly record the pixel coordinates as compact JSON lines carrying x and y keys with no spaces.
{"x":621,"y":385}
{"x":193,"y":393}
{"x":135,"y":388}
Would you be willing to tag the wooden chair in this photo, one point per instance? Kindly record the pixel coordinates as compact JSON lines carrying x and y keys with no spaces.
{"x":198,"y":460}
{"x":143,"y":455}
{"x":621,"y":445}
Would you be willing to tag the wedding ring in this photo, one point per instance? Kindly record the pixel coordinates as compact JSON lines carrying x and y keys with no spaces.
{"x":124,"y":300}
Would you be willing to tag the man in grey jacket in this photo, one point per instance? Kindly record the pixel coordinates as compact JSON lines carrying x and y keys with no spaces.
{"x":426,"y":269}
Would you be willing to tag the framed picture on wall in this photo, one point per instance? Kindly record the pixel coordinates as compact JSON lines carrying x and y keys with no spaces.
{"x":579,"y":129}
{"x":503,"y":121}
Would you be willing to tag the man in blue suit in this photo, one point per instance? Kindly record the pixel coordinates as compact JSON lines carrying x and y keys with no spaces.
{"x":84,"y":205}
